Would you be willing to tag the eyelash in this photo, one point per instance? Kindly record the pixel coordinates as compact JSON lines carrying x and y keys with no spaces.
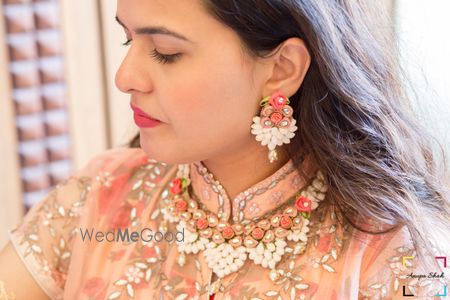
{"x":161,"y":58}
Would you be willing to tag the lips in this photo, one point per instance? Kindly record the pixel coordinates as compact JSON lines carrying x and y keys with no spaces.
{"x":142,"y":119}
{"x":141,"y":113}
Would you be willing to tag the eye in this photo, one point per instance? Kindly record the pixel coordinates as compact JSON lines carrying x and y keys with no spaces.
{"x":164,"y":59}
{"x":161,"y":58}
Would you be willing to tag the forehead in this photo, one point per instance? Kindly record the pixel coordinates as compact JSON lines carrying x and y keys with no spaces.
{"x":187,"y":17}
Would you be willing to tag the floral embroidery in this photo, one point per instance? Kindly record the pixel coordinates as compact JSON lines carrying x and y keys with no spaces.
{"x":253,"y":208}
{"x":129,"y":197}
{"x":311,"y":289}
{"x":288,"y":277}
{"x":4,"y":294}
{"x":147,"y":259}
{"x":107,"y":194}
{"x":295,"y":181}
{"x":276,"y":197}
{"x":134,"y":275}
{"x":397,"y":277}
{"x":51,"y":214}
{"x":105,"y":179}
{"x":205,"y":194}
{"x":329,"y":240}
{"x":143,"y":266}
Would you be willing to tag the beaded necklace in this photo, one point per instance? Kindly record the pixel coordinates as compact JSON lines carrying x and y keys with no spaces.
{"x":227,"y":246}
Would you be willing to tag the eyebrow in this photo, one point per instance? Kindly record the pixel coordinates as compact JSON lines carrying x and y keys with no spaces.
{"x":155,"y":30}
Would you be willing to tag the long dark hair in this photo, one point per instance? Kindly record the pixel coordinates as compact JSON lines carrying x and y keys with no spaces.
{"x":353,"y":112}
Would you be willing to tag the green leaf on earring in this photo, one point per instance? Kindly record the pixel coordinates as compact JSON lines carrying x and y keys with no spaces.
{"x":264,"y":101}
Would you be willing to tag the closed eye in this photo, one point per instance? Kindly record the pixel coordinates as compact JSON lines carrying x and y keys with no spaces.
{"x":161,"y":58}
{"x":164,"y":59}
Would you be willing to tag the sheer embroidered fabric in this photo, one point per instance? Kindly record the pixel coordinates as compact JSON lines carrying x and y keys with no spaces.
{"x":4,"y":294}
{"x":122,"y":189}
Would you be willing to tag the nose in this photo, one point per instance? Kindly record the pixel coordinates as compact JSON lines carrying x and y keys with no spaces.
{"x":131,"y":75}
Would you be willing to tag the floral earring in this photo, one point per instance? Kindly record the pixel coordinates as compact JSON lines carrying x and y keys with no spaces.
{"x":275,"y":126}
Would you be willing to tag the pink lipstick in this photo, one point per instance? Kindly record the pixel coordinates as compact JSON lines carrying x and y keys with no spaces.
{"x":142,"y":119}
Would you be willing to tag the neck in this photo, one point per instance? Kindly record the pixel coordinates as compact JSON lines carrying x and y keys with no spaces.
{"x":244,"y":168}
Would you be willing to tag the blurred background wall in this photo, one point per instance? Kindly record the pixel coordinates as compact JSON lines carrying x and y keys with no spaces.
{"x":422,"y":29}
{"x":58,"y":102}
{"x":59,"y":105}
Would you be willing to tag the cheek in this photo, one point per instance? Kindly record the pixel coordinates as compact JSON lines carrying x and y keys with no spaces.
{"x":210,"y":109}
{"x":207,"y":101}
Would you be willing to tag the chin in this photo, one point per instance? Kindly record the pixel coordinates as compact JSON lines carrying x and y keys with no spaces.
{"x":161,"y":154}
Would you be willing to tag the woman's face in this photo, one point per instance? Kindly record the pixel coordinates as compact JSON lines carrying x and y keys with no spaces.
{"x":206,"y":97}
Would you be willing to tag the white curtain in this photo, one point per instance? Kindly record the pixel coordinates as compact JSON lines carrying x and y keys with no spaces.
{"x":422,"y":29}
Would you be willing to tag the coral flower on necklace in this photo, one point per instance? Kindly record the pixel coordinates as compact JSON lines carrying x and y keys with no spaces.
{"x":175,"y":187}
{"x":303,"y":204}
{"x":181,"y":205}
{"x":228,"y":232}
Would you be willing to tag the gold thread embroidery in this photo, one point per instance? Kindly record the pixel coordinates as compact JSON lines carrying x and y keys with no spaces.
{"x":4,"y":293}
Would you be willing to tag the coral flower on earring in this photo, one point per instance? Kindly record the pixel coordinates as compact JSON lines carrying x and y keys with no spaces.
{"x":276,"y":117}
{"x":275,"y":126}
{"x":278,"y":100}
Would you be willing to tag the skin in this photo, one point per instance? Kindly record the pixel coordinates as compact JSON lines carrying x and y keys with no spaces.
{"x":208,"y":96}
{"x":16,"y":278}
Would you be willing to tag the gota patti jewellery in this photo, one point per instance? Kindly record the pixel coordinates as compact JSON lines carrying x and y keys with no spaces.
{"x":226,"y":247}
{"x":275,"y":126}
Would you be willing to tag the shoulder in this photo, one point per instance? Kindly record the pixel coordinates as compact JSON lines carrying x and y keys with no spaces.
{"x":105,"y":166}
{"x":126,"y":181}
{"x":391,"y":266}
{"x":112,"y":182}
{"x":110,"y":159}
{"x":118,"y":166}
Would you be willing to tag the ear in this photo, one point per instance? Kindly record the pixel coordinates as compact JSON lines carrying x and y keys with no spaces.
{"x":289,"y":65}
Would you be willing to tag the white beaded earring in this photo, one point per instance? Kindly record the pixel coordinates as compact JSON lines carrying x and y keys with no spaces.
{"x":275,"y":126}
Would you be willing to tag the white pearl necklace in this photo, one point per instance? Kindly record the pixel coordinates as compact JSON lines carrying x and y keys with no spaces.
{"x":224,"y":256}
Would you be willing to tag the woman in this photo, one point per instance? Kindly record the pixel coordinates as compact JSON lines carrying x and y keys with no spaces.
{"x":277,"y":160}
